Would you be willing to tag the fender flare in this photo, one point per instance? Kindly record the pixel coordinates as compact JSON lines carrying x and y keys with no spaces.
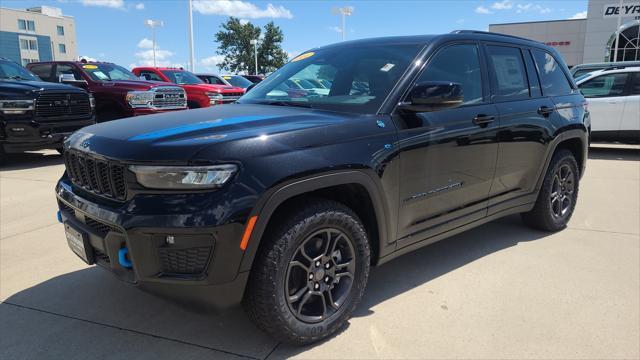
{"x":269,"y":202}
{"x":580,"y":134}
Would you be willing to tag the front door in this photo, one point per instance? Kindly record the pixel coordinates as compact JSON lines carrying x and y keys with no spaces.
{"x":448,"y":157}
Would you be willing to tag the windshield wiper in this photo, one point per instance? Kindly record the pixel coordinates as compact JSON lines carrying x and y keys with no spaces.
{"x":285,"y":103}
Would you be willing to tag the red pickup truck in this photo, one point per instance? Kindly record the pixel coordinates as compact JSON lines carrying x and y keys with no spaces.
{"x":118,"y":92}
{"x":199,"y":93}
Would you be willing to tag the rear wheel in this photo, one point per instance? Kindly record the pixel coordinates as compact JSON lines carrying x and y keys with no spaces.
{"x":558,"y":195}
{"x":310,"y":274}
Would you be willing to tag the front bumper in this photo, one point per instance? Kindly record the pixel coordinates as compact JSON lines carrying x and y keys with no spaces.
{"x":29,"y":135}
{"x":185,"y":263}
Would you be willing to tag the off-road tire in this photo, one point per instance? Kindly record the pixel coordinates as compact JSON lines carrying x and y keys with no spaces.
{"x":541,"y":217}
{"x":265,"y":299}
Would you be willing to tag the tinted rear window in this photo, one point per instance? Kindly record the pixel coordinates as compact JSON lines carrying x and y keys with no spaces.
{"x":552,"y":78}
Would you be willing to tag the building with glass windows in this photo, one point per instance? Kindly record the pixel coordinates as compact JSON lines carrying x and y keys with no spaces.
{"x":597,"y":38}
{"x":37,"y":34}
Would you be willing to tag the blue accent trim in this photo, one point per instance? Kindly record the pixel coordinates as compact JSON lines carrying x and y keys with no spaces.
{"x":197,"y":126}
{"x":122,"y":258}
{"x":380,"y":123}
{"x":44,"y":48}
{"x":59,"y":216}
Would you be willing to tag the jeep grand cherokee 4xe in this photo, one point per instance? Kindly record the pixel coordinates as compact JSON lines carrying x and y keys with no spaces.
{"x":286,"y":202}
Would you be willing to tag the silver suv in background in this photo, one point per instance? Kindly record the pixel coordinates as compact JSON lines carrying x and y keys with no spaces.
{"x":614,"y":103}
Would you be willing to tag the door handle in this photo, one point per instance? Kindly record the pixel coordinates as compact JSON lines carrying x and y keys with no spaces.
{"x":545,"y":110}
{"x":483,"y":120}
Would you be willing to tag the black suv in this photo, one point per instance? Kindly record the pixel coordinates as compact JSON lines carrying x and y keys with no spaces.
{"x":285,"y":199}
{"x":37,"y":115}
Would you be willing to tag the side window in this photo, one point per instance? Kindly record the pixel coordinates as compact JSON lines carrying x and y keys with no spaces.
{"x":43,"y":71}
{"x":459,"y":64}
{"x":508,"y":73}
{"x":215,"y":81}
{"x":635,"y":84}
{"x":67,"y":69}
{"x":605,"y":85}
{"x":149,"y":75}
{"x":552,"y":78}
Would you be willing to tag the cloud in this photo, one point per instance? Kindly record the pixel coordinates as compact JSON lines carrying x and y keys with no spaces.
{"x":114,"y":4}
{"x":483,"y":10}
{"x":532,"y":7}
{"x":502,"y":5}
{"x":335,"y":28}
{"x":244,"y":21}
{"x":139,"y":6}
{"x":580,"y":15}
{"x":211,"y":63}
{"x":145,"y":44}
{"x":242,"y":9}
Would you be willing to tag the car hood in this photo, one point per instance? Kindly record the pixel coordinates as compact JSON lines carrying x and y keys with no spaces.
{"x":136,"y":84}
{"x":24,"y":86}
{"x":212,"y":88}
{"x":176,"y":137}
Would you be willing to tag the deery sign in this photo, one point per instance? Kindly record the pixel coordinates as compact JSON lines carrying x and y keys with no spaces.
{"x":626,"y":10}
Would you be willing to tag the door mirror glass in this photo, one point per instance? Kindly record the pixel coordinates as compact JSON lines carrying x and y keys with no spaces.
{"x":434,"y":95}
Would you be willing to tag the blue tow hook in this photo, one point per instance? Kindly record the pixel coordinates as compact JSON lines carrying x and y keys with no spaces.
{"x":59,"y":216}
{"x":122,"y":258}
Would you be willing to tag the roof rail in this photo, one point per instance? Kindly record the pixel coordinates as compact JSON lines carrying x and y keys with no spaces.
{"x":490,"y":33}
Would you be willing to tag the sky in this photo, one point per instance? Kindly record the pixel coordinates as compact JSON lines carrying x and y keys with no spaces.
{"x":114,"y":30}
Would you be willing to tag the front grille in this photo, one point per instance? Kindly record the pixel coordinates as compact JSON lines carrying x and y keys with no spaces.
{"x":189,"y":261}
{"x":100,"y":227}
{"x":95,"y":175}
{"x":51,"y":104}
{"x":169,"y":98}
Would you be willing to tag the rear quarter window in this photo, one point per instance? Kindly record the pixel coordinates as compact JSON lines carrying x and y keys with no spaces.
{"x":552,"y":78}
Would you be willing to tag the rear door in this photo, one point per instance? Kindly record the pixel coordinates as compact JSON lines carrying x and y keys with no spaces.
{"x":525,"y":120}
{"x":607,"y":97}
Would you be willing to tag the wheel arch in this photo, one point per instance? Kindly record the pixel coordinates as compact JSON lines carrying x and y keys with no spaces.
{"x":354,"y":188}
{"x":574,"y":140}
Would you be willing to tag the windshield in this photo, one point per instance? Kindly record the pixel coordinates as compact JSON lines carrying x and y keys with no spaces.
{"x":582,"y":77}
{"x":356,"y":79}
{"x":108,"y":72}
{"x":10,"y":70}
{"x":238,"y":81}
{"x":182,"y":77}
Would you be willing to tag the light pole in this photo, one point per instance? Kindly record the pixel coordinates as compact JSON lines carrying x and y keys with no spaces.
{"x":255,"y":51}
{"x":191,"y":64}
{"x":152,"y":24}
{"x":343,"y":12}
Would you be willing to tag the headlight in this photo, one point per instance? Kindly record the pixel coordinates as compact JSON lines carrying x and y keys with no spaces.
{"x":15,"y":106}
{"x":139,"y":99}
{"x":183,"y":177}
{"x":214,"y":97}
{"x":92,"y":102}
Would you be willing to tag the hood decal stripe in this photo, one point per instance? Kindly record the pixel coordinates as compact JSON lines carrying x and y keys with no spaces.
{"x":195,"y":127}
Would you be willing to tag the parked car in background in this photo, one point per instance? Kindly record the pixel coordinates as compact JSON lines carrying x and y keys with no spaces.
{"x":118,"y":92}
{"x":229,"y":80}
{"x":582,"y":69}
{"x":199,"y":93}
{"x":37,"y":115}
{"x":614,"y":103}
{"x":254,"y":78}
{"x":285,"y":203}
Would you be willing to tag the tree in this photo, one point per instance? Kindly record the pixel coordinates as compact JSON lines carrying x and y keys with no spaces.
{"x":234,"y":43}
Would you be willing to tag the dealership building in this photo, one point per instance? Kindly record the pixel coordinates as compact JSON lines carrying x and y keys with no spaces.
{"x":37,"y":34}
{"x":588,"y":40}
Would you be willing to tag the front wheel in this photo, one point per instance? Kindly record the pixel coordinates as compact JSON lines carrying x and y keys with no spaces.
{"x":310,"y":274}
{"x":558,"y":195}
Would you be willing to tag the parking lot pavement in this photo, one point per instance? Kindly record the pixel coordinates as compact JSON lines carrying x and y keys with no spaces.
{"x":498,"y":291}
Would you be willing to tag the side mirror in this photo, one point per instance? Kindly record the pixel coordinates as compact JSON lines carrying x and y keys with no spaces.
{"x":70,"y":79}
{"x":433,"y":95}
{"x":250,"y":87}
